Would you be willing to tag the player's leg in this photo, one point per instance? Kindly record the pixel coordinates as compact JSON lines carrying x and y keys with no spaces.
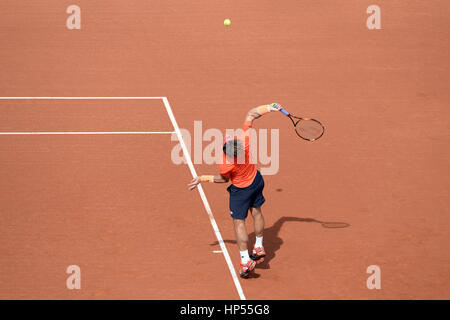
{"x":247,"y":264}
{"x":239,"y":206}
{"x":241,"y":234}
{"x":258,"y":221}
{"x":258,"y":252}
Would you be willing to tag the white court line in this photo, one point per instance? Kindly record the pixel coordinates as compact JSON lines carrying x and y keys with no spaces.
{"x":188,"y":160}
{"x":93,"y":132}
{"x":205,"y":201}
{"x":81,"y":98}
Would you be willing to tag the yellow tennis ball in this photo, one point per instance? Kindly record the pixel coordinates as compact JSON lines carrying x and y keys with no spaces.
{"x":227,"y":22}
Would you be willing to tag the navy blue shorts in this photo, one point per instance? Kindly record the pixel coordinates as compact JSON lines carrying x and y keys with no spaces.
{"x":242,"y":199}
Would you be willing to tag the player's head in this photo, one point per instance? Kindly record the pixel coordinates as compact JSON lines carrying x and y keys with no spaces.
{"x":232,"y":148}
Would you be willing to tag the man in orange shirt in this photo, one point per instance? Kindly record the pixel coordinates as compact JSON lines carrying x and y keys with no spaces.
{"x":245,"y":190}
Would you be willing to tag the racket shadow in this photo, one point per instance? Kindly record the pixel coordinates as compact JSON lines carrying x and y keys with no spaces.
{"x":272,"y":240}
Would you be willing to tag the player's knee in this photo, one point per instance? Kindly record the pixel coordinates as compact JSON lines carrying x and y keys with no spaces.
{"x":256,"y":212}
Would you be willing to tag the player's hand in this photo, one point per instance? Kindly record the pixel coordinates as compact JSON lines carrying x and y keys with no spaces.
{"x":194,"y":183}
{"x":275,"y":106}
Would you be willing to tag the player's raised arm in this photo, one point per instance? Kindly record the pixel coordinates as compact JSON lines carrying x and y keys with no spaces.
{"x":257,"y":112}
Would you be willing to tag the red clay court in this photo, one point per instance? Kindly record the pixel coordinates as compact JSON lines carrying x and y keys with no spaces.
{"x":87,"y":179}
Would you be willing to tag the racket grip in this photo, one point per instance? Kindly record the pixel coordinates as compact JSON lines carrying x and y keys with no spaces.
{"x":284,"y":112}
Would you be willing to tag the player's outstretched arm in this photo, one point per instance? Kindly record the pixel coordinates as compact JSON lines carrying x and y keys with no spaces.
{"x":257,"y":112}
{"x":215,"y":179}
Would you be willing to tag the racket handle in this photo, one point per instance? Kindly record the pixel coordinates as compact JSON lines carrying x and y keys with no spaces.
{"x":284,"y":112}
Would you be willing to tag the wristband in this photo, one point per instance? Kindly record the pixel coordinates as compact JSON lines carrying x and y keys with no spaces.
{"x":206,"y":178}
{"x":246,"y":125}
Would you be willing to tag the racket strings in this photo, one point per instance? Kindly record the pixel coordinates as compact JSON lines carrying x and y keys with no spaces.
{"x":309,"y":129}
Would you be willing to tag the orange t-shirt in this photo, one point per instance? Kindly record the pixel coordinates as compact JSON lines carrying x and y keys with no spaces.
{"x":241,"y":174}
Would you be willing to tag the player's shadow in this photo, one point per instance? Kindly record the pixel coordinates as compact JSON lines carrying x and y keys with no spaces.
{"x":272,"y":241}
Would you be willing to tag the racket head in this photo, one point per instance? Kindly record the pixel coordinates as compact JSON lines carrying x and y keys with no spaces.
{"x":309,"y":129}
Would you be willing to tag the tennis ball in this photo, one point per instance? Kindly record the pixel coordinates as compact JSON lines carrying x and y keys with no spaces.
{"x":227,"y":22}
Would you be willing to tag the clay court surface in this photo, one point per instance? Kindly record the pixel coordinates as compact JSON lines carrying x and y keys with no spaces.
{"x":118,"y":207}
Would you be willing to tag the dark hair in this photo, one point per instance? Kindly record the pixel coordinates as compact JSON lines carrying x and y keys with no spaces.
{"x":232,"y":148}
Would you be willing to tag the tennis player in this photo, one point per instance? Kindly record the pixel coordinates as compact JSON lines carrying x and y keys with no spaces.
{"x":245,"y":190}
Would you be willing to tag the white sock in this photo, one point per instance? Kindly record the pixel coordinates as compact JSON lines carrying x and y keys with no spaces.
{"x":244,"y":257}
{"x":258,"y":242}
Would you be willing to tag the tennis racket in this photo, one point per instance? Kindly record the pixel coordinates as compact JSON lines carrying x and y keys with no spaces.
{"x":306,"y":128}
